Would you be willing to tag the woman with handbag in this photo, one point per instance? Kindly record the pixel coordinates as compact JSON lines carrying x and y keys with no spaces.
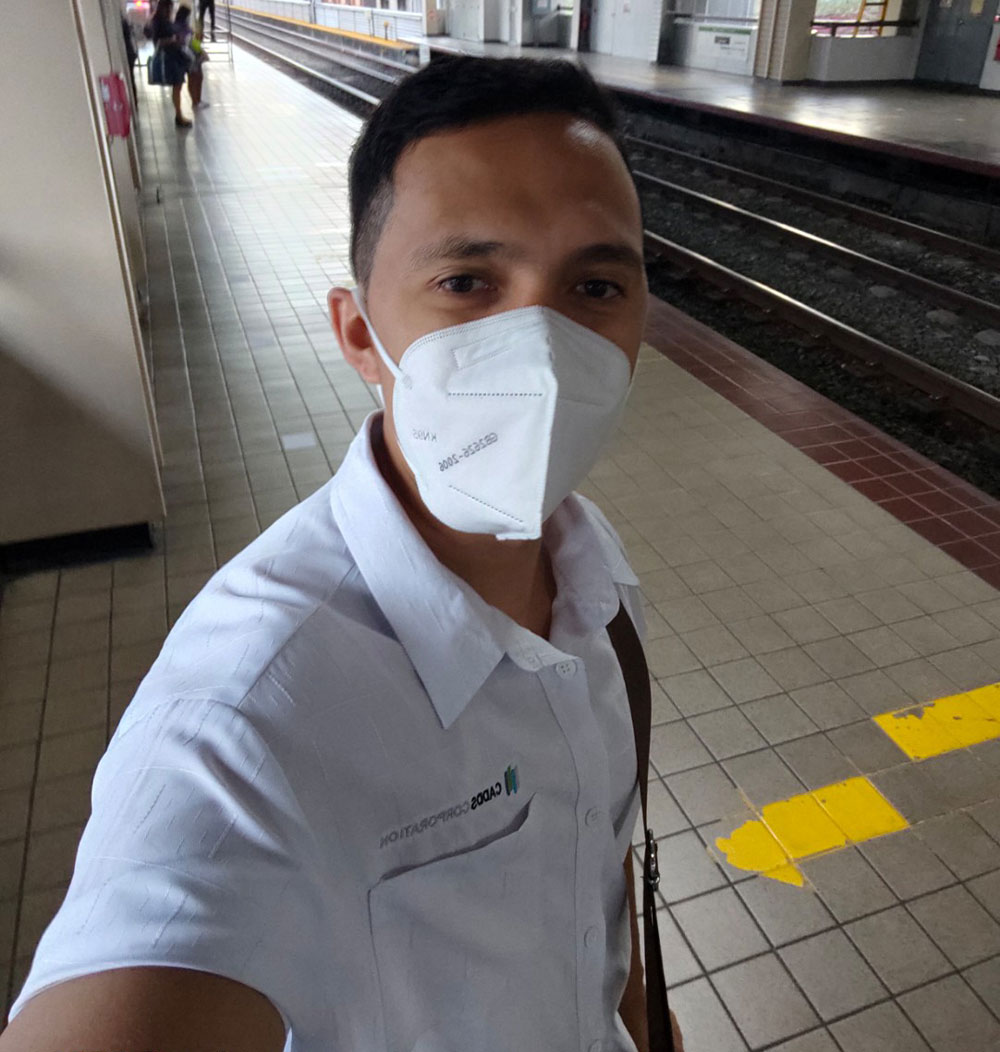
{"x":191,"y":41}
{"x":170,"y":55}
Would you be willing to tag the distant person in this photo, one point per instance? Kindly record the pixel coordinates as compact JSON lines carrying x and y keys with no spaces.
{"x":130,"y":53}
{"x":207,"y":7}
{"x":190,"y":38}
{"x":586,"y":20}
{"x":164,"y":34}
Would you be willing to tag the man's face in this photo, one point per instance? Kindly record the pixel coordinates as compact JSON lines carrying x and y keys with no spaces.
{"x":515,"y":212}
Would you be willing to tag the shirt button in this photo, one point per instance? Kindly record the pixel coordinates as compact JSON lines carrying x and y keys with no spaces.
{"x":595,"y":1046}
{"x":592,"y":816}
{"x":566,"y":669}
{"x":589,"y":938}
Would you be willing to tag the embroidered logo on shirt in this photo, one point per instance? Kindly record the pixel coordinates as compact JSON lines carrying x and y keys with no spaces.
{"x":491,"y":792}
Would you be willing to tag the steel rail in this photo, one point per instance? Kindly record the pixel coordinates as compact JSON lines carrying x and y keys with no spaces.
{"x":834,"y":206}
{"x":319,"y":48}
{"x":363,"y":96}
{"x":942,"y":295}
{"x":956,"y":393}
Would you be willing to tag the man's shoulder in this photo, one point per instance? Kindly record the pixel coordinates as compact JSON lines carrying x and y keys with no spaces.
{"x":255,"y":606}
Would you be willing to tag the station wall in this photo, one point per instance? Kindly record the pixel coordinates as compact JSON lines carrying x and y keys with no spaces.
{"x":627,"y":28}
{"x":990,"y":80}
{"x":717,"y":45}
{"x":78,"y":447}
{"x":507,"y":21}
{"x":465,"y":19}
{"x":863,"y":58}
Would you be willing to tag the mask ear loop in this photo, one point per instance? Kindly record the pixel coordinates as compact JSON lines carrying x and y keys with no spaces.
{"x":379,"y":346}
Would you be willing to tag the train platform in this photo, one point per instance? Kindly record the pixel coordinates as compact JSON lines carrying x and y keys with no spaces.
{"x":822,"y":605}
{"x":945,"y":128}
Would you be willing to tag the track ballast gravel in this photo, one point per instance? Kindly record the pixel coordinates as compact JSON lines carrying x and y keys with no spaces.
{"x":963,"y":274}
{"x":897,"y":318}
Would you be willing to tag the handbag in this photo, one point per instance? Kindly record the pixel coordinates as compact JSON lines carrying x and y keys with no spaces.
{"x":154,"y":68}
{"x":628,"y":650}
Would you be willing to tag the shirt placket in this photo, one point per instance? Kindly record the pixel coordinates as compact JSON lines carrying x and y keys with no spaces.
{"x":565,"y":683}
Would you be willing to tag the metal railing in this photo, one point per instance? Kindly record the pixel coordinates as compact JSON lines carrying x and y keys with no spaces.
{"x":404,"y":26}
{"x":829,"y":27}
{"x":374,"y":22}
{"x":724,"y":20}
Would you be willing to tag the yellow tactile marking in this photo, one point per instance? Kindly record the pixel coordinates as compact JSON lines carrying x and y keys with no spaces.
{"x":859,"y":809}
{"x":849,"y":812}
{"x":809,"y":824}
{"x":989,"y":698}
{"x":396,"y":45}
{"x":946,"y":724}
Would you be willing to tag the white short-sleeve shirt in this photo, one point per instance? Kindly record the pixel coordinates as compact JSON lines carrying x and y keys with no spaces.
{"x":354,"y":786}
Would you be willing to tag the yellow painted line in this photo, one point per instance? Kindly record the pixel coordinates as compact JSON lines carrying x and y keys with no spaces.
{"x":988,"y":697}
{"x":381,"y":41}
{"x":946,"y":724}
{"x":849,"y":812}
{"x":859,"y":809}
{"x":809,"y":824}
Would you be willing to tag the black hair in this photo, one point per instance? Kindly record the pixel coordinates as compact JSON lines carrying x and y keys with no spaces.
{"x":453,"y":92}
{"x":164,"y":10}
{"x":183,"y":14}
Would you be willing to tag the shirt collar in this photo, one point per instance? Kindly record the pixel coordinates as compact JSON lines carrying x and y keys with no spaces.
{"x":453,"y":637}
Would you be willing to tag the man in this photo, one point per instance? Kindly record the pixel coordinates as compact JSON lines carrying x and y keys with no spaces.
{"x":207,"y":7}
{"x":378,"y":789}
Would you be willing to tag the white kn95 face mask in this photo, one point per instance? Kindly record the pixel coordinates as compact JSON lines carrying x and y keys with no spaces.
{"x":501,"y":418}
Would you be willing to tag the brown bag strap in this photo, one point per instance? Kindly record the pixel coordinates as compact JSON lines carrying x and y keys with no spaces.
{"x":628,"y":649}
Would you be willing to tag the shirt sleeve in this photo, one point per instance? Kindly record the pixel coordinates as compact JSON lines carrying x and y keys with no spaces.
{"x":195,"y":855}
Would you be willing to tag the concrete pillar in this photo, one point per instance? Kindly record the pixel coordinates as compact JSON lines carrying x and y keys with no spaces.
{"x":784,"y":39}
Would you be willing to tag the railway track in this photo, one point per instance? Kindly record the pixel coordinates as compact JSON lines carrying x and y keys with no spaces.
{"x":934,"y":292}
{"x":365,"y":79}
{"x":953,"y":392}
{"x":961,"y":385}
{"x":834,"y":206}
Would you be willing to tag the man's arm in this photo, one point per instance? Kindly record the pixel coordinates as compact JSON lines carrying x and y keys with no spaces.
{"x":633,"y":1006}
{"x":140,"y":1008}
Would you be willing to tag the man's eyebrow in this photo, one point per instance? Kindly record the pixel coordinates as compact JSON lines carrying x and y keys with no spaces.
{"x":610,"y":252}
{"x":456,"y":247}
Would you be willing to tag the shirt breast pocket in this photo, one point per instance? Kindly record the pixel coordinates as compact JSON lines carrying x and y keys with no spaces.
{"x":458,"y":946}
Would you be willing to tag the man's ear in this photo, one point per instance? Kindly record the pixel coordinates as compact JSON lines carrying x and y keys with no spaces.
{"x":352,"y":334}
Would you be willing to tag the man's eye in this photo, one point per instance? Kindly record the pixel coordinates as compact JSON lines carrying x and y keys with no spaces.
{"x":462,"y":283}
{"x":597,"y":289}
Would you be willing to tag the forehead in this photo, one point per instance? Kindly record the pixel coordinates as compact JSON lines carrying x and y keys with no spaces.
{"x":530,"y":169}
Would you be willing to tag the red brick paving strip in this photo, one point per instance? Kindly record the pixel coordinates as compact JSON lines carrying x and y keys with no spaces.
{"x":958,"y":518}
